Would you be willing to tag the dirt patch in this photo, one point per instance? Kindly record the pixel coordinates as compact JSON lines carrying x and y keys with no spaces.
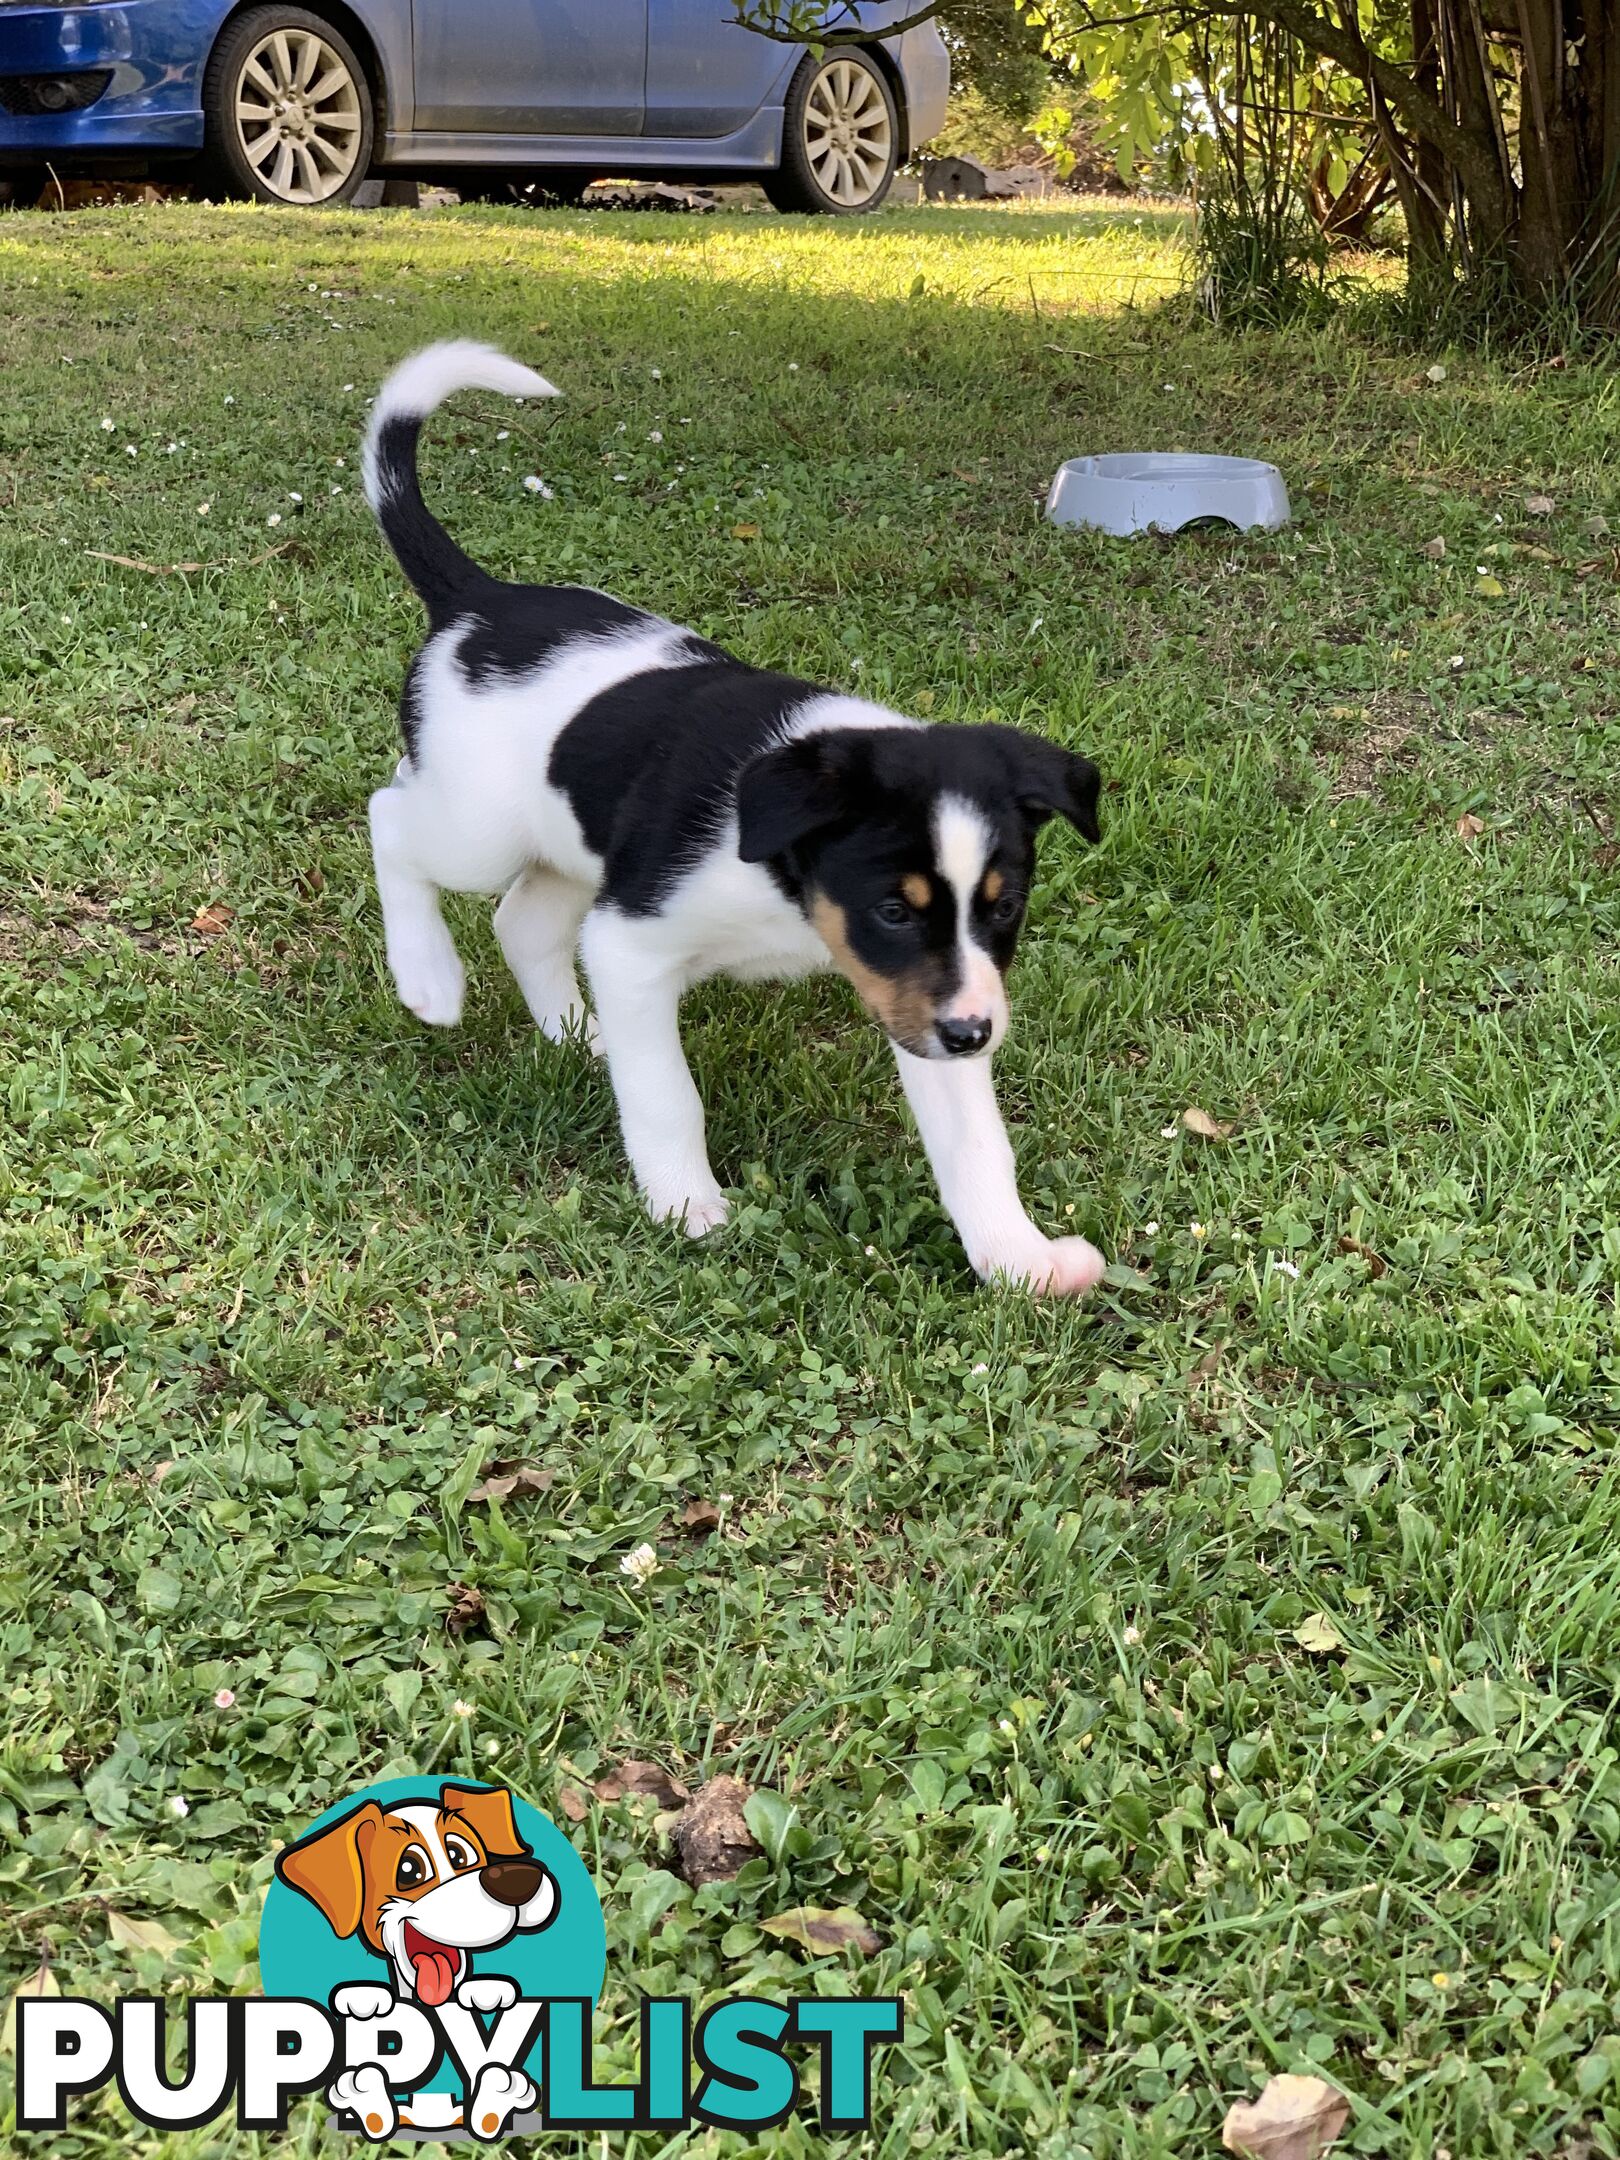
{"x":1362,"y":745}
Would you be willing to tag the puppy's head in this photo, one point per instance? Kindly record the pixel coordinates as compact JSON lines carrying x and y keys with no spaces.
{"x":913,"y":850}
{"x":423,"y":1883}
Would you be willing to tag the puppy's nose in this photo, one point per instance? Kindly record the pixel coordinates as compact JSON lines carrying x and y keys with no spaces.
{"x":511,"y":1882}
{"x":962,"y":1037}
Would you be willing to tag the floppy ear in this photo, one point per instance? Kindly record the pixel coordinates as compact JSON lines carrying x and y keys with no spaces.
{"x":329,"y":1868}
{"x":1055,"y":782}
{"x":785,"y":795}
{"x":490,"y":1814}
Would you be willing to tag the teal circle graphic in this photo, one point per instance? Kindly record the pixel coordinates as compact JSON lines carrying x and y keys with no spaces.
{"x":299,"y":1955}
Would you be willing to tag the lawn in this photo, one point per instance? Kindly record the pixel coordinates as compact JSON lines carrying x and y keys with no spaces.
{"x":1212,"y":1680}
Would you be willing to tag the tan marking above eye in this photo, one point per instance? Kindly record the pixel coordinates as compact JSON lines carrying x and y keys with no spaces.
{"x":917,"y":889}
{"x":994,"y":885}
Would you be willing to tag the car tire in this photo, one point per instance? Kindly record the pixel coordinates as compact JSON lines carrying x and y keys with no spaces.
{"x":840,"y":136}
{"x":551,"y":187}
{"x":268,"y":137}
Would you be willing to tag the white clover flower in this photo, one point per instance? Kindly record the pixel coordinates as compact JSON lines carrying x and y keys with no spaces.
{"x":1198,"y":1229}
{"x":536,"y":486}
{"x":655,"y":435}
{"x":1286,"y":1267}
{"x":295,"y":497}
{"x":274,"y":518}
{"x":106,"y":427}
{"x":641,"y":1565}
{"x":230,"y":401}
{"x":657,"y":374}
{"x":202,"y":509}
{"x":180,"y":1806}
{"x":1150,"y":1229}
{"x":503,"y":434}
{"x":130,"y":450}
{"x":461,"y":1709}
{"x":1133,"y":1635}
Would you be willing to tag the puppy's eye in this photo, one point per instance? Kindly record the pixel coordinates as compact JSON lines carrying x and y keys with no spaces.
{"x":1007,"y":909}
{"x":898,"y":914}
{"x":459,"y":1855}
{"x":413,"y":1869}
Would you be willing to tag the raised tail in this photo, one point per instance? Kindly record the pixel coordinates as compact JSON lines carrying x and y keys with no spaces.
{"x":429,"y":557}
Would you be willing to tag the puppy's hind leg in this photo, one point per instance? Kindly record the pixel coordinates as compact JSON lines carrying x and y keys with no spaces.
{"x":537,"y":925}
{"x":421,"y":955}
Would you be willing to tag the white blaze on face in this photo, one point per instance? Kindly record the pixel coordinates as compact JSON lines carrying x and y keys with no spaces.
{"x":427,"y":1936}
{"x":963,"y":841}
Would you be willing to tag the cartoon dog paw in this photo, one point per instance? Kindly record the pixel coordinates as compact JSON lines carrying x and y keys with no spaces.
{"x":498,"y":2096}
{"x":364,"y":2093}
{"x":362,"y":2000}
{"x":492,"y":1993}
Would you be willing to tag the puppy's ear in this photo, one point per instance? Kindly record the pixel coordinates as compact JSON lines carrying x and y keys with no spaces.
{"x":329,"y":1867}
{"x":785,"y":795}
{"x":490,"y":1814}
{"x":1052,"y":782}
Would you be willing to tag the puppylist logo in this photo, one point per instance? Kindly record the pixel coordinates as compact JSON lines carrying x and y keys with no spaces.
{"x":431,"y":1952}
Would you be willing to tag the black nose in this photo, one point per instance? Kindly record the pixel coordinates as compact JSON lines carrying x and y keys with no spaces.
{"x":512,"y":1882}
{"x":961,"y":1037}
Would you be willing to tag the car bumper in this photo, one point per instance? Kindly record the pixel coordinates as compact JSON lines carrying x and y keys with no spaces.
{"x":925,"y":69}
{"x":150,"y":49}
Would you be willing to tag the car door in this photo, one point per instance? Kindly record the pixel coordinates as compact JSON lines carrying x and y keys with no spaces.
{"x":706,"y":75}
{"x":530,"y":67}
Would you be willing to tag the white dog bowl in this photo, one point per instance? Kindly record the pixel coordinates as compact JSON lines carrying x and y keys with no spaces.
{"x":1135,"y":490}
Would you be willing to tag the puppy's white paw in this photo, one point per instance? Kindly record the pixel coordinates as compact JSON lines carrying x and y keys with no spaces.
{"x":698,"y":1211}
{"x":362,"y":2000}
{"x":1059,"y":1267}
{"x":489,"y":1993}
{"x":428,"y":976}
{"x":498,"y":2096}
{"x":364,"y":2093}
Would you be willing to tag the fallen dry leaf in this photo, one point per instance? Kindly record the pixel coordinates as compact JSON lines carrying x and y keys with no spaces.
{"x":701,"y":1516}
{"x":712,"y":1841}
{"x":1489,"y":588}
{"x":1435,"y":549}
{"x":1469,"y":827}
{"x":573,"y":1802}
{"x":131,"y":1934}
{"x":643,"y":1780}
{"x":1200,"y":1122}
{"x":466,"y":1608}
{"x":1317,"y":1634}
{"x":1295,"y":2118}
{"x":509,"y":1477}
{"x":1540,"y":505}
{"x":42,"y":1981}
{"x":1376,"y":1263}
{"x":213,"y":920}
{"x":821,"y":1931}
{"x":745,"y":532}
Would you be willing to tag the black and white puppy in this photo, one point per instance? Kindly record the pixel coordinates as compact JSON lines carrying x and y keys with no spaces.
{"x":637,"y":793}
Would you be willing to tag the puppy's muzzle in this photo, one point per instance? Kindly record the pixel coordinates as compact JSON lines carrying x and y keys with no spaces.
{"x":511,"y":1882}
{"x":963,"y":1038}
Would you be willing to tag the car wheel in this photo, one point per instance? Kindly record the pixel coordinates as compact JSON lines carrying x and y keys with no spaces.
{"x":555,"y":188}
{"x":840,"y":136}
{"x":287,"y":111}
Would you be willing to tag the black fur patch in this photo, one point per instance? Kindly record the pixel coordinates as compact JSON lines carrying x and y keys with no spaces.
{"x":650,"y":767}
{"x":515,"y":629}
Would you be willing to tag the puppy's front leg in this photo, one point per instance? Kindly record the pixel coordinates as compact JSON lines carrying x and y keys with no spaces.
{"x":637,"y":988}
{"x":954,"y":1104}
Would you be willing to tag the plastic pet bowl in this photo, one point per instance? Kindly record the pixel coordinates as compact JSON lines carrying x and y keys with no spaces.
{"x":1135,"y":491}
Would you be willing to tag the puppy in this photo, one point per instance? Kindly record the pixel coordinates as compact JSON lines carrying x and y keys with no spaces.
{"x":423,"y":1885}
{"x":637,"y":793}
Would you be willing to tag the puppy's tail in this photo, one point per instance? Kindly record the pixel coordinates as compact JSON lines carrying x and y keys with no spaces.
{"x":429,"y":557}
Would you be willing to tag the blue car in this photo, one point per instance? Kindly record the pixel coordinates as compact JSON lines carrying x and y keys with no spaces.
{"x":529,"y":99}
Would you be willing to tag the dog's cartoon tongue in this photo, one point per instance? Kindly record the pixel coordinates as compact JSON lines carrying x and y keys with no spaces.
{"x":435,"y":1967}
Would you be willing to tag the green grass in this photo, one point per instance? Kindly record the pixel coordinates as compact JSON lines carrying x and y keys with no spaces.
{"x":1006,"y":1597}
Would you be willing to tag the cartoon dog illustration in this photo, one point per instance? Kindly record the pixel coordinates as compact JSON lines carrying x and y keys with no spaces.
{"x":423,"y":1884}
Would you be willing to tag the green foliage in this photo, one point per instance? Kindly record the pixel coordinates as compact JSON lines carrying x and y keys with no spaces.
{"x":1005,"y":1610}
